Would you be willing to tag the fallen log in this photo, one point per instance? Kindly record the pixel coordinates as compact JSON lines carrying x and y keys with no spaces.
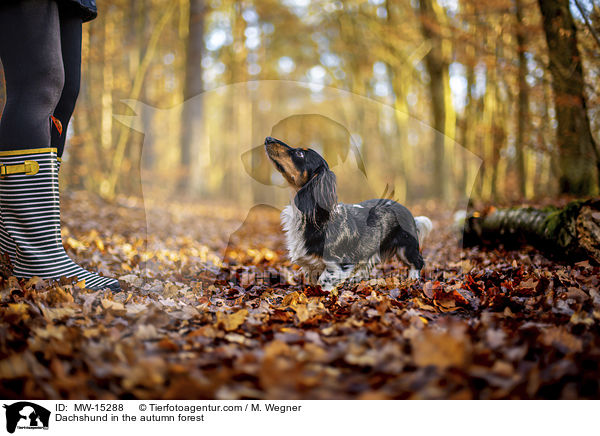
{"x":571,"y":233}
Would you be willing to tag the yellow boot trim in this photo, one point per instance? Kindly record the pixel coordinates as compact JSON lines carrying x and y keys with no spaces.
{"x":28,"y":151}
{"x":29,"y":167}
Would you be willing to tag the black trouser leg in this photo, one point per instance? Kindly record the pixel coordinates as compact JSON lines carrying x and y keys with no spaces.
{"x":30,"y":51}
{"x":70,"y":38}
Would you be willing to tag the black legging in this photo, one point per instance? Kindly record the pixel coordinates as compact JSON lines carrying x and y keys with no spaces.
{"x":40,"y":50}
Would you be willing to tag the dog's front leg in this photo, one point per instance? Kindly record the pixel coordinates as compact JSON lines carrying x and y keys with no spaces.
{"x":333,"y":275}
{"x":414,"y":274}
{"x":361,"y":272}
{"x":312,"y":274}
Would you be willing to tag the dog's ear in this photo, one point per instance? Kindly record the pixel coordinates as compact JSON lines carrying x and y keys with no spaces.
{"x":325,"y":190}
{"x":318,"y":197}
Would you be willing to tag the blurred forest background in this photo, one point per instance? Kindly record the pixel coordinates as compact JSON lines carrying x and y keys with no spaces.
{"x":431,"y":102}
{"x":515,"y":82}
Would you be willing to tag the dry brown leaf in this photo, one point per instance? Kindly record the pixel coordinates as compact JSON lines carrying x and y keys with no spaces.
{"x":441,"y":349}
{"x":560,"y":338}
{"x":231,"y":321}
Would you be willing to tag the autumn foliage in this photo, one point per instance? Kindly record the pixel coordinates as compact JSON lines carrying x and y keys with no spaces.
{"x":494,"y":324}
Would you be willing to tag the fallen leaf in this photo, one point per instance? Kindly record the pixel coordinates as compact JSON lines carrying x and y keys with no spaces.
{"x":231,"y":321}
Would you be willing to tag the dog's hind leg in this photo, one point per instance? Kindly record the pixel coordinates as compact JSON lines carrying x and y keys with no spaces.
{"x":411,"y":256}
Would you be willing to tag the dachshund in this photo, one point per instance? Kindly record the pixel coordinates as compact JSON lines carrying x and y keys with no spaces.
{"x":333,"y":242}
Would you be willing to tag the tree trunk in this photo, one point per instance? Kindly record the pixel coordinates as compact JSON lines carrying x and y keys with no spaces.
{"x":437,"y":68}
{"x":577,"y":149}
{"x":109,"y":184}
{"x":109,"y":46}
{"x":401,"y":155}
{"x":523,"y":107}
{"x":467,"y":130}
{"x":572,"y":233}
{"x":192,"y":115}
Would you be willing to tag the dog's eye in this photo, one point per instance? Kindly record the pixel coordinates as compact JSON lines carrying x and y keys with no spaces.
{"x":300,"y":153}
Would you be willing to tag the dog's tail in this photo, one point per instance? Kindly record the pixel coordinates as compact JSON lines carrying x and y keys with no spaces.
{"x":424,"y":227}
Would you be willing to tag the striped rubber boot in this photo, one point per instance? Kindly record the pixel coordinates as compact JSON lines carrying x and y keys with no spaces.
{"x":7,"y":244}
{"x":30,"y":207}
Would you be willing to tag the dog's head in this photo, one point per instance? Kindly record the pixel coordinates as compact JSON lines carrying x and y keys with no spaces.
{"x":297,"y":165}
{"x":308,"y":173}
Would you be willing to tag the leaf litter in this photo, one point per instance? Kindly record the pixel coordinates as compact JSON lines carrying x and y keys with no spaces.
{"x":228,"y":317}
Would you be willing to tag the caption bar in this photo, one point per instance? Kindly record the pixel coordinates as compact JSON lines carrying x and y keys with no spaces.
{"x":157,"y":412}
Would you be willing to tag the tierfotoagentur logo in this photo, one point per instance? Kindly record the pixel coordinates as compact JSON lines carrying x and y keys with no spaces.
{"x":26,"y":416}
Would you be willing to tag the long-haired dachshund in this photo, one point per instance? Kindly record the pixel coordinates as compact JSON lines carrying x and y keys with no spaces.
{"x":334,"y":241}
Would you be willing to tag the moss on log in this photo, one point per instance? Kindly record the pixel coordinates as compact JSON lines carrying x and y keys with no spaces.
{"x":571,"y":233}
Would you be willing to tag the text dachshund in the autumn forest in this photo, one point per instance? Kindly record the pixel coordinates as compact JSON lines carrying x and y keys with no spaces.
{"x":332,"y":241}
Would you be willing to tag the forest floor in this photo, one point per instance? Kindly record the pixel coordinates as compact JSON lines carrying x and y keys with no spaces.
{"x":480,"y":324}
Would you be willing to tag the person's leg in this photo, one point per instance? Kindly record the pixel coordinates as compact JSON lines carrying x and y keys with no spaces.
{"x":31,"y":58}
{"x":70,"y":39}
{"x":30,"y":52}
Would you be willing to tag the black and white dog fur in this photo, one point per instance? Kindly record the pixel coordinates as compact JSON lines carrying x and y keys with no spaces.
{"x":333,"y":242}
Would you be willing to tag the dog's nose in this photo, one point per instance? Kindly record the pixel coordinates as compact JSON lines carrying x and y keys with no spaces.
{"x":269,"y":140}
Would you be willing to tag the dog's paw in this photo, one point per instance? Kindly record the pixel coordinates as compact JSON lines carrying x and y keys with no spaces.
{"x":414,"y":274}
{"x":327,"y":287}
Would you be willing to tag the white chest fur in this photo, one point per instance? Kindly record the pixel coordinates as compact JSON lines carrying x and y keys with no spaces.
{"x":291,"y":221}
{"x":293,"y":226}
